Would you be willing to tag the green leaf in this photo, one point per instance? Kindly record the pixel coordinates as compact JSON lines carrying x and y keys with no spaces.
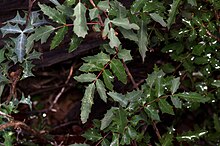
{"x":156,"y":17}
{"x":70,"y":2}
{"x":74,"y":43}
{"x":175,"y":85}
{"x":117,"y":9}
{"x":193,"y":96}
{"x":115,"y":140}
{"x":41,"y":33}
{"x":26,"y":101}
{"x":173,"y":12}
{"x":134,"y":95}
{"x":198,"y":49}
{"x":93,"y":13}
{"x":2,"y":55}
{"x":132,"y":132}
{"x":119,"y":98}
{"x":92,"y":134}
{"x":105,"y":142}
{"x":129,"y":34}
{"x":80,"y":24}
{"x":142,"y":40}
{"x":114,"y":41}
{"x":176,"y":102}
{"x":79,"y":144}
{"x":27,"y":69}
{"x":122,"y":120}
{"x":125,"y":55}
{"x":159,"y":87}
{"x":8,"y":28}
{"x":87,"y":102}
{"x":55,"y":2}
{"x":59,"y":35}
{"x":106,"y":28}
{"x":20,"y":42}
{"x":118,"y":69}
{"x":103,"y":5}
{"x":125,"y":139}
{"x":90,"y":67}
{"x":216,"y":83}
{"x":87,"y":77}
{"x":53,"y":14}
{"x":216,"y":122}
{"x":106,"y":121}
{"x":124,"y":23}
{"x":152,"y":112}
{"x":100,"y":58}
{"x":101,"y":90}
{"x":137,"y":6}
{"x":167,"y":139}
{"x":18,"y":19}
{"x":108,"y":79}
{"x":165,"y":107}
{"x":192,"y":2}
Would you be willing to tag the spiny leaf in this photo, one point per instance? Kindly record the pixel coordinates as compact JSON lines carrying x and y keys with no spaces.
{"x":74,"y":43}
{"x":119,"y":98}
{"x":118,"y":69}
{"x":175,"y":85}
{"x":121,"y":120}
{"x":87,"y":102}
{"x":35,"y":20}
{"x":93,"y":13}
{"x":117,"y":9}
{"x":167,"y":139}
{"x":137,"y":6}
{"x":129,"y":34}
{"x":152,"y":112}
{"x":41,"y":33}
{"x":80,"y":24}
{"x":27,"y":69}
{"x":124,"y":22}
{"x":100,"y":58}
{"x":108,"y":79}
{"x":106,"y":121}
{"x":59,"y":35}
{"x":125,"y":55}
{"x":101,"y":90}
{"x":134,"y":95}
{"x":87,"y":77}
{"x":90,"y":67}
{"x":115,"y":140}
{"x":114,"y":41}
{"x":55,"y":2}
{"x":176,"y":102}
{"x":8,"y":28}
{"x":142,"y":40}
{"x":173,"y":12}
{"x":193,"y":96}
{"x":92,"y":134}
{"x":53,"y":14}
{"x":156,"y":17}
{"x":103,"y":5}
{"x":20,"y":42}
{"x":106,"y":28}
{"x":165,"y":107}
{"x":18,"y":19}
{"x":2,"y":55}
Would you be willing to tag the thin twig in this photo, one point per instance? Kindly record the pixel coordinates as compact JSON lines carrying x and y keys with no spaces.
{"x":63,"y":88}
{"x":156,"y":130}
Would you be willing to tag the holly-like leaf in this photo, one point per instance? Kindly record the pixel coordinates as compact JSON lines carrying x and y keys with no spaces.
{"x":115,"y":140}
{"x":108,"y":79}
{"x":106,"y":28}
{"x":124,"y":23}
{"x":134,"y":95}
{"x":93,"y":13}
{"x":80,"y":24}
{"x":101,"y":90}
{"x":8,"y":28}
{"x":175,"y":85}
{"x":27,"y":101}
{"x":137,"y":6}
{"x":2,"y":55}
{"x":165,"y":107}
{"x":59,"y":35}
{"x":87,"y":77}
{"x":129,"y":34}
{"x":142,"y":40}
{"x":20,"y":42}
{"x":114,"y":41}
{"x":117,"y":9}
{"x":53,"y":14}
{"x":27,"y":69}
{"x":118,"y":69}
{"x":176,"y":102}
{"x":173,"y":12}
{"x":90,"y":67}
{"x":87,"y":102}
{"x":100,"y":58}
{"x":18,"y":19}
{"x":106,"y":121}
{"x":74,"y":43}
{"x":55,"y":2}
{"x":156,"y":17}
{"x":122,"y":120}
{"x":152,"y":112}
{"x":167,"y":139}
{"x":103,"y":5}
{"x":216,"y":83}
{"x":193,"y":96}
{"x":41,"y":33}
{"x":119,"y":98}
{"x":92,"y":134}
{"x":125,"y":55}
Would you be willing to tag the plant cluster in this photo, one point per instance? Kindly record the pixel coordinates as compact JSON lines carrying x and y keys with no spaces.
{"x":186,"y":31}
